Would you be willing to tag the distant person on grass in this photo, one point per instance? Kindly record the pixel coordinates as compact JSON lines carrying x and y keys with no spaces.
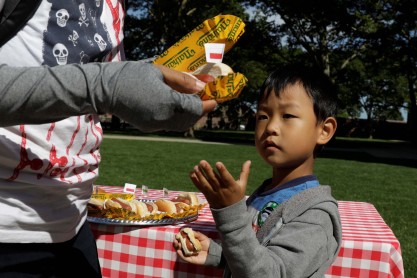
{"x":290,"y":226}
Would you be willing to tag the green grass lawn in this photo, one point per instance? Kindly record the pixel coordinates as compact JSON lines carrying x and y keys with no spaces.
{"x":390,"y":185}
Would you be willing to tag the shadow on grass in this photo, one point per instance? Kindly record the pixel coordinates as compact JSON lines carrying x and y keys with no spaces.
{"x":363,"y":150}
{"x":362,"y":156}
{"x":384,"y":152}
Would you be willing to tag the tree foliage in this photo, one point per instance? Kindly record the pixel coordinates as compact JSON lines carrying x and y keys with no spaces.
{"x":366,"y":47}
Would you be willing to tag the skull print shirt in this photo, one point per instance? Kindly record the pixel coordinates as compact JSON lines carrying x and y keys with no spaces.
{"x":47,"y":171}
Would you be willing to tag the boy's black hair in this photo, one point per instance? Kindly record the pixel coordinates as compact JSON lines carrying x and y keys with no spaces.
{"x":316,"y":84}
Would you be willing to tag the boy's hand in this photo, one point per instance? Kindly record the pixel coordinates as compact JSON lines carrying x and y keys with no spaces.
{"x":201,"y":257}
{"x":220,"y":189}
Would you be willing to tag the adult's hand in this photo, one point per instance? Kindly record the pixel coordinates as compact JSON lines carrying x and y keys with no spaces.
{"x":183,"y":82}
{"x":220,"y":188}
{"x":189,"y":84}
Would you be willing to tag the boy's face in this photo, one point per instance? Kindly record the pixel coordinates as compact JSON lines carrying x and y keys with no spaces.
{"x":286,"y":131}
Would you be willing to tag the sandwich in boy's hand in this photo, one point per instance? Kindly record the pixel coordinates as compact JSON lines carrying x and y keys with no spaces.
{"x":189,"y":244}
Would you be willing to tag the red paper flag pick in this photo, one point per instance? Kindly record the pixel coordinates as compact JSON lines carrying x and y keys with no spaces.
{"x":216,"y":55}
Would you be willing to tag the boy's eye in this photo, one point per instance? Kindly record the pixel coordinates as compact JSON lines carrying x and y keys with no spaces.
{"x":262,"y":117}
{"x":288,"y":116}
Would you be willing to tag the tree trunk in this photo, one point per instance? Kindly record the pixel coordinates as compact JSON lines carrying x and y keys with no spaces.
{"x":412,"y":113}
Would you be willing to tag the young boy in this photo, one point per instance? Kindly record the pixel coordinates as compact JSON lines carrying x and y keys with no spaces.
{"x":290,"y":226}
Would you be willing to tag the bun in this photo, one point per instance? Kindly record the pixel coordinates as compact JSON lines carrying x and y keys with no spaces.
{"x":117,"y":203}
{"x":214,"y":69}
{"x":187,"y":197}
{"x":152,"y":208}
{"x":95,"y":204}
{"x":180,"y":207}
{"x":189,"y":244}
{"x":166,"y":206}
{"x":140,"y":208}
{"x":111,"y":204}
{"x":169,"y":206}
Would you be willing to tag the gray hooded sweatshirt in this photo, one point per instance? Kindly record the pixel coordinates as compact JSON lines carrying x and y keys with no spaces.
{"x":134,"y":91}
{"x":301,"y":238}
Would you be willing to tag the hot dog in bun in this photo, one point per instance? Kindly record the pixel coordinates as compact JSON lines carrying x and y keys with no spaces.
{"x":94,"y":206}
{"x":143,"y":209}
{"x":189,"y":244}
{"x":170,"y":206}
{"x":214,"y":69}
{"x":117,"y":203}
{"x":187,"y":197}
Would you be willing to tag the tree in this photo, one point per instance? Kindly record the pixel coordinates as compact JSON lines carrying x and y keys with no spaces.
{"x":319,"y":28}
{"x":334,"y":34}
{"x":366,"y":47}
{"x":369,"y":82}
{"x":401,"y":42}
{"x":154,"y":25}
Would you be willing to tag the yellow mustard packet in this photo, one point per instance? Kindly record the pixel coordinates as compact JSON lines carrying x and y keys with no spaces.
{"x":224,"y":88}
{"x":188,"y":54}
{"x":104,"y":196}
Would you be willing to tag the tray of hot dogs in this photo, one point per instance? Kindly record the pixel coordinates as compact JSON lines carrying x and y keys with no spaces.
{"x":124,"y":209}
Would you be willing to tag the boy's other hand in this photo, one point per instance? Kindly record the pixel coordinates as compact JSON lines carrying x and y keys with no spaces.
{"x":201,"y":257}
{"x":220,"y":188}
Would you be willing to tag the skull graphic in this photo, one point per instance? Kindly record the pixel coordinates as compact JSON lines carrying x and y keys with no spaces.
{"x":82,"y":10}
{"x":83,"y":18}
{"x":62,"y":17}
{"x":61,"y":53}
{"x":98,"y":2}
{"x":100,"y":41}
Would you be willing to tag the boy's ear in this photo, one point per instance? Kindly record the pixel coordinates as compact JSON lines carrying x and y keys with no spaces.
{"x":327,"y":130}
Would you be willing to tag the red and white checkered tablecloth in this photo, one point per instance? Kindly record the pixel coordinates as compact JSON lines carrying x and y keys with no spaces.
{"x":369,"y":247}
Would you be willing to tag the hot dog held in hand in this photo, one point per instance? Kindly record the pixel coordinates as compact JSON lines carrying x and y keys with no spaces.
{"x":190,"y":55}
{"x":189,"y":244}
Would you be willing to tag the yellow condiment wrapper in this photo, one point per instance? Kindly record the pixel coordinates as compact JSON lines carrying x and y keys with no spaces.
{"x":224,"y":87}
{"x":188,"y":54}
{"x":123,"y":214}
{"x":104,"y":196}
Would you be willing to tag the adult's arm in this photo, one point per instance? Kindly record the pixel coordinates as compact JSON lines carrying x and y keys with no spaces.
{"x":134,"y":91}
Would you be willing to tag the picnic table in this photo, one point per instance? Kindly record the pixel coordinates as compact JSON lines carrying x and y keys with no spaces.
{"x":369,"y":247}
